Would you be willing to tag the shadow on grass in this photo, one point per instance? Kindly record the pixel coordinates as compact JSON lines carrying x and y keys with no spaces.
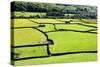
{"x":87,"y":31}
{"x":59,"y":54}
{"x":53,"y":54}
{"x":25,"y":27}
{"x":87,"y":25}
{"x":33,"y":21}
{"x":32,"y":45}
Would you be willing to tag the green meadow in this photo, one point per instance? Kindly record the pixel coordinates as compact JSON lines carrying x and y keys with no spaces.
{"x":67,"y":38}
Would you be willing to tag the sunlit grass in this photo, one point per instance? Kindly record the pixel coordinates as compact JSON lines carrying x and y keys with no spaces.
{"x":64,"y":41}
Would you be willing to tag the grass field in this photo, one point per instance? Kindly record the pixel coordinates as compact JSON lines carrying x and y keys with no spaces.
{"x":85,"y":57}
{"x":71,"y":39}
{"x":27,"y":14}
{"x":31,"y":51}
{"x":90,"y":20}
{"x":30,"y":38}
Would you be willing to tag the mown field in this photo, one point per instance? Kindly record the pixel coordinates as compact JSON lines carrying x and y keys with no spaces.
{"x":70,"y":37}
